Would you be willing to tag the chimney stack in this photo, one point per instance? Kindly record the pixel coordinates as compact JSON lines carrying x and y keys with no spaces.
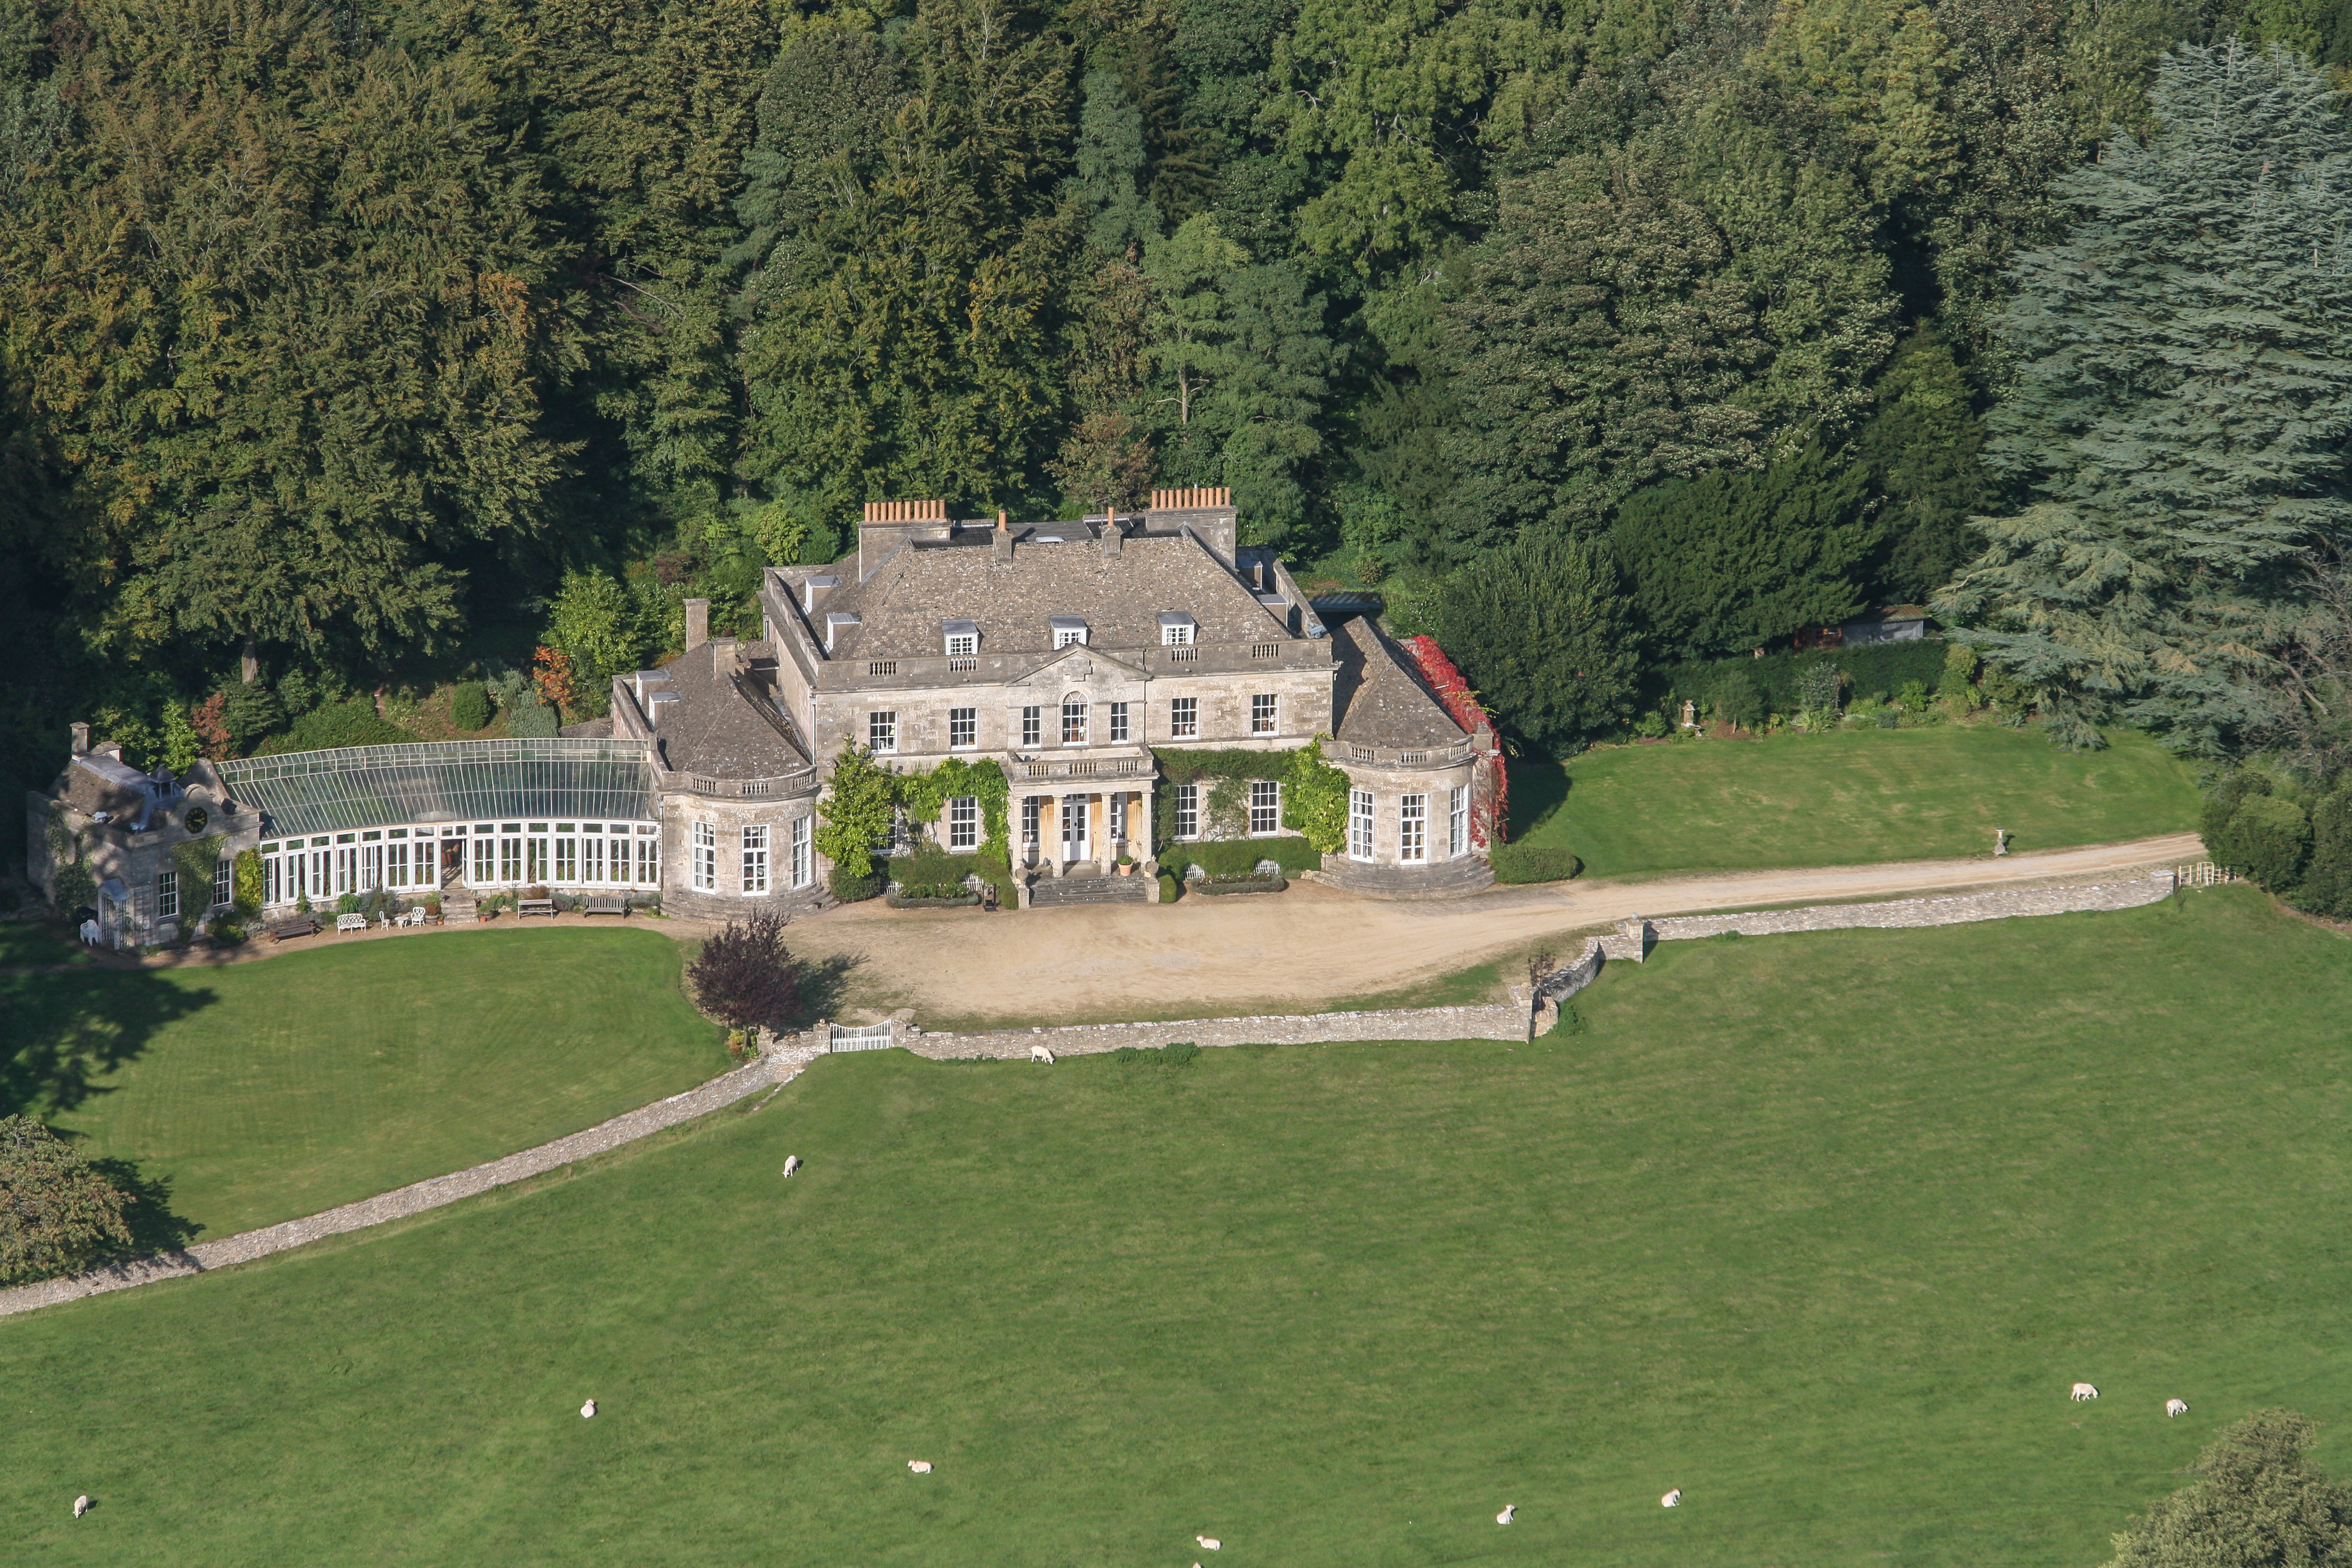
{"x":698,"y":623}
{"x":1003,"y":538}
{"x":81,"y":740}
{"x":1114,"y":538}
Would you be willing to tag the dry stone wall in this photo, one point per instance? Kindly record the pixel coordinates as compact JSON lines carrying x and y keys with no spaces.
{"x":1962,"y":910}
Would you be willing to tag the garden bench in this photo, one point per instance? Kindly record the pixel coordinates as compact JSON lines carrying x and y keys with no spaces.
{"x":607,"y":904}
{"x":535,"y":907}
{"x":300,"y":925}
{"x":351,"y":923}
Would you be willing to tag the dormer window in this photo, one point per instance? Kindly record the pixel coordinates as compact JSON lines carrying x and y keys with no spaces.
{"x":961,"y":638}
{"x":1176,"y":629}
{"x":1068,"y":631}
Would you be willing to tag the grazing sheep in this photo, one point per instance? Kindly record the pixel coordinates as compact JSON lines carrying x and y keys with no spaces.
{"x":587,"y":1410}
{"x":792,"y":1163}
{"x":920,"y":1467}
{"x":81,"y":1505}
{"x":2084,"y":1391}
{"x":1672,"y":1499}
{"x":2173,"y":1408}
{"x":1040,"y":1054}
{"x":1210,"y":1544}
{"x":1508,"y":1509}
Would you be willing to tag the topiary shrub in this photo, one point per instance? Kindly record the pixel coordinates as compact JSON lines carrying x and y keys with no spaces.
{"x":1169,"y":887}
{"x":1533,"y":863}
{"x":2267,"y":839}
{"x":1239,"y":857}
{"x":469,"y":706}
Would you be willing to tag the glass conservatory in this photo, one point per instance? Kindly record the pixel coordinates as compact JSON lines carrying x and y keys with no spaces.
{"x":575,"y":814}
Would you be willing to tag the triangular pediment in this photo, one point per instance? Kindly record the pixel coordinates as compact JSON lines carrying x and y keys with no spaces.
{"x":1079,"y":662}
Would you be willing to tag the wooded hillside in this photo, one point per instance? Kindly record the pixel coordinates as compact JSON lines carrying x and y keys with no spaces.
{"x":329,"y":331}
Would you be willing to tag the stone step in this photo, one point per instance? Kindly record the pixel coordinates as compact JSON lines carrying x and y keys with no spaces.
{"x":1136,"y":890}
{"x":1454,"y":878}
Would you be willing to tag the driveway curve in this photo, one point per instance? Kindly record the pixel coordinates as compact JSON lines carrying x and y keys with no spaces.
{"x":1314,"y":946}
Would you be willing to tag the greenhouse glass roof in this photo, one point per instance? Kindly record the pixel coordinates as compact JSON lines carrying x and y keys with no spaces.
{"x":446,"y":781}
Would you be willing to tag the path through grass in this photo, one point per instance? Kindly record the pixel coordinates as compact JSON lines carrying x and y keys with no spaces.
{"x":1818,"y":1228}
{"x":263,"y":1092}
{"x":1850,"y":797}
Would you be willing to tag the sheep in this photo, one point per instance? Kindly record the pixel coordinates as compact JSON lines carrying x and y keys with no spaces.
{"x":1672,"y":1499}
{"x":2173,"y":1408}
{"x":792,"y":1163}
{"x":920,"y":1467}
{"x":587,"y":1410}
{"x":2084,"y":1391}
{"x":1508,"y":1509}
{"x":1040,"y":1054}
{"x":1210,"y":1544}
{"x":81,"y":1505}
{"x":89,"y":933}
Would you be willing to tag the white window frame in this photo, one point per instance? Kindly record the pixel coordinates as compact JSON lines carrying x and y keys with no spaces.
{"x":1266,"y":714}
{"x":648,"y":858}
{"x":963,"y":644}
{"x":963,"y":822}
{"x":705,"y":863}
{"x":1032,"y":725}
{"x":803,"y":867}
{"x":1266,"y":806}
{"x":755,"y":859}
{"x":167,"y":895}
{"x":1413,"y":829}
{"x":882,"y":730}
{"x":567,"y":859}
{"x":224,"y":882}
{"x":1032,"y":815}
{"x":1458,"y":823}
{"x":1188,"y":811}
{"x":592,"y":856}
{"x":1177,"y":635}
{"x":963,"y":728}
{"x":1070,"y":637}
{"x":1360,"y":825}
{"x":1118,"y":724}
{"x":1073,"y":723}
{"x":1184,"y":718}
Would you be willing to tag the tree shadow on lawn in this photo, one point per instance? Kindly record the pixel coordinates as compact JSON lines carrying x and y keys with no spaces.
{"x":60,"y":1033}
{"x":823,"y":984}
{"x":153,"y":1227}
{"x":1539,"y":788}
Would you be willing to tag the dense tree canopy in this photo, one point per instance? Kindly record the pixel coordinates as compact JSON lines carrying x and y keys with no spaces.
{"x":328,"y":335}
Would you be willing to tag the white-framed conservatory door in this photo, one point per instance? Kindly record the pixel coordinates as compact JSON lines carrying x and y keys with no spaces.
{"x":1075,"y":812}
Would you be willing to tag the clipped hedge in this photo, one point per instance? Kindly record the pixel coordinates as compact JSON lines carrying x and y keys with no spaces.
{"x":1239,"y":857}
{"x":1533,"y":863}
{"x":852,"y":886}
{"x":1880,"y":667}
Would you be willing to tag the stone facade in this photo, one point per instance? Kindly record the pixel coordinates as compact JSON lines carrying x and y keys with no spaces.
{"x":128,"y":832}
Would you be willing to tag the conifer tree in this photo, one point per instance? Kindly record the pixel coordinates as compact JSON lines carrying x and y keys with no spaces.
{"x":2178,"y":426}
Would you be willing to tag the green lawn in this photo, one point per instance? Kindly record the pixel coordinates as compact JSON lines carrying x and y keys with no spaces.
{"x":1818,"y":1228}
{"x":262,"y":1091}
{"x":1851,"y":796}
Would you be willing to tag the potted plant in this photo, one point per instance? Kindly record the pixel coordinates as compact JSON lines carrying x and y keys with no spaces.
{"x":1126,"y":864}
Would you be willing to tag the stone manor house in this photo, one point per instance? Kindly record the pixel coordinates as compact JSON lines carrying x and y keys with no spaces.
{"x":1070,"y":653}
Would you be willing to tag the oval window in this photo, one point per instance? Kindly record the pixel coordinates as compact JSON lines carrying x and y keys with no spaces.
{"x":196,"y":820}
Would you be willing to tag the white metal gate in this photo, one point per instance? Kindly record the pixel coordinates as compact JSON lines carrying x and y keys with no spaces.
{"x":861,"y":1038}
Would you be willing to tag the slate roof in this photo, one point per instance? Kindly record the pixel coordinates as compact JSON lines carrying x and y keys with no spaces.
{"x":1121,"y":597}
{"x":725,"y":724}
{"x":1378,"y":697}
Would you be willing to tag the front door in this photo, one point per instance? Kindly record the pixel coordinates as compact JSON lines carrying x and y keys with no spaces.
{"x":1074,"y":827}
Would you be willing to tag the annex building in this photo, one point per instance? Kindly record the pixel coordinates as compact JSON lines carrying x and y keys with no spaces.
{"x":1072,"y":654}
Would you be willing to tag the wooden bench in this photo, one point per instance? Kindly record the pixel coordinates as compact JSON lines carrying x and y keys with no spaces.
{"x":300,"y":925}
{"x":607,"y":904}
{"x":351,"y":923}
{"x":535,"y":907}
